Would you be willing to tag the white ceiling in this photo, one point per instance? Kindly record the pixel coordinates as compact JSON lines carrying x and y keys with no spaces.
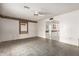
{"x":54,"y":9}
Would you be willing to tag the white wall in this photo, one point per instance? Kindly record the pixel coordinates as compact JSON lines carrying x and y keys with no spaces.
{"x":9,"y":30}
{"x":42,"y":28}
{"x":69,"y":27}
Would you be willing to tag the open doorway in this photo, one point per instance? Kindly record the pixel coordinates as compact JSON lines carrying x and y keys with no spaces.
{"x":52,"y":29}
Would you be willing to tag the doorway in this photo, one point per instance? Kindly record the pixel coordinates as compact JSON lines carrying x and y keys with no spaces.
{"x":52,"y":30}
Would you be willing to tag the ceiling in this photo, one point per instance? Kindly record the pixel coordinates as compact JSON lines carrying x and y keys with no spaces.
{"x":53,"y":9}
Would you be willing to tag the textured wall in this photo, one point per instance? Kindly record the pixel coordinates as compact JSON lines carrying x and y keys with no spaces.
{"x":69,"y":30}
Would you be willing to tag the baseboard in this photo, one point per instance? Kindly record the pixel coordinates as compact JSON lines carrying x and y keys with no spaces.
{"x":19,"y":39}
{"x":69,"y":44}
{"x":29,"y":37}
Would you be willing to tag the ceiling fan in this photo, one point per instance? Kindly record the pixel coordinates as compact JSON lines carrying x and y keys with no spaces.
{"x":37,"y":13}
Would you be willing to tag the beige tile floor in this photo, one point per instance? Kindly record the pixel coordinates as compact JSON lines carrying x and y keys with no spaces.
{"x":37,"y":47}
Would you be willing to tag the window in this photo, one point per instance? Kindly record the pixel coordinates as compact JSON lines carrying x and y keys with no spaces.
{"x":23,"y":27}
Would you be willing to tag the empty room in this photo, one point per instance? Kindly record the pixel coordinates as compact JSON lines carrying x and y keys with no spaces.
{"x":39,"y":29}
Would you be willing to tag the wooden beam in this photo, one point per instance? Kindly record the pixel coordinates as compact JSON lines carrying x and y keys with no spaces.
{"x":8,"y":17}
